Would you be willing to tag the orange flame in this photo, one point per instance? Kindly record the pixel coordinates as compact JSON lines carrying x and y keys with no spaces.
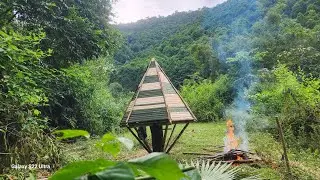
{"x":239,"y":158}
{"x":232,"y":140}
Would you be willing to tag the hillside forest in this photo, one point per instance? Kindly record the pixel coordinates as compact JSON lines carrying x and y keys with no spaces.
{"x":65,"y":65}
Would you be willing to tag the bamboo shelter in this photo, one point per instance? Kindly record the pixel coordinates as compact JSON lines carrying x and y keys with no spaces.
{"x":156,"y":104}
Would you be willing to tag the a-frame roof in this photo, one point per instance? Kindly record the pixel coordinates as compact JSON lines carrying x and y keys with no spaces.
{"x":156,"y":101}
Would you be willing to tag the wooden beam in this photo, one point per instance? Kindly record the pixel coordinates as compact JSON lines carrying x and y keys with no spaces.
{"x":145,"y":147}
{"x":144,"y":140}
{"x":166,"y":146}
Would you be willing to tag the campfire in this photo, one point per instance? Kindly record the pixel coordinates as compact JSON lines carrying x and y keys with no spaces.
{"x":231,"y":142}
{"x":231,"y":152}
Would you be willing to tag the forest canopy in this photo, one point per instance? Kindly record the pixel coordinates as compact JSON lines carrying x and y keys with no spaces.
{"x":231,"y":55}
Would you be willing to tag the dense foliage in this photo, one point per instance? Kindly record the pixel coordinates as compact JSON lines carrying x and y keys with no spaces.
{"x":22,"y":128}
{"x":294,"y":101}
{"x":207,"y":99}
{"x":47,"y":79}
{"x":98,"y":106}
{"x":75,"y":30}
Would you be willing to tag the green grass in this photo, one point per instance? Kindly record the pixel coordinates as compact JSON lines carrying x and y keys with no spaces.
{"x":200,"y":138}
{"x":206,"y":138}
{"x":304,"y":164}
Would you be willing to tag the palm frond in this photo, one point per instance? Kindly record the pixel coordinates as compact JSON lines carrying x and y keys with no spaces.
{"x":217,"y":170}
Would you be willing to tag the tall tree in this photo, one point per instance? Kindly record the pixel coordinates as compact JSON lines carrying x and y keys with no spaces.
{"x":75,"y":29}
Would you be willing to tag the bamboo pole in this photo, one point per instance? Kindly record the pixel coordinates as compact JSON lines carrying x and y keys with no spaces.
{"x":170,"y":136}
{"x":145,"y":147}
{"x":165,"y":136}
{"x":174,"y":142}
{"x":284,"y":146}
{"x":142,"y":139}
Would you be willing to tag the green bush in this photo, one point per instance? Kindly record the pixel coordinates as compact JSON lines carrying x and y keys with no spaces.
{"x":97,"y":110}
{"x":208,"y":99}
{"x":295,"y":99}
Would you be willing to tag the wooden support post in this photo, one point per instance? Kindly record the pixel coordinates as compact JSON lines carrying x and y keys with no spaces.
{"x":174,"y":142}
{"x":157,"y":138}
{"x":284,"y":146}
{"x":145,"y":147}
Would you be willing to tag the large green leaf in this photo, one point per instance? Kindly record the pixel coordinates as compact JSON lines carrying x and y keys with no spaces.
{"x":192,"y":175}
{"x":68,"y":133}
{"x":159,"y":166}
{"x":120,"y":171}
{"x":81,"y":168}
{"x":109,"y":144}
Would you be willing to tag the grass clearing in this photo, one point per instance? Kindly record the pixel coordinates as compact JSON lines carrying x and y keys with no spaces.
{"x":206,"y":137}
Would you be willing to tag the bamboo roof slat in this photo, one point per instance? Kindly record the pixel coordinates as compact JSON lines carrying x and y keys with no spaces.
{"x":178,"y":109}
{"x":150,"y":93}
{"x":157,"y":101}
{"x":150,"y":86}
{"x":149,"y":100}
{"x":179,"y":104}
{"x":178,"y":116}
{"x":149,"y":106}
{"x":168,"y":89}
{"x":151,"y":72}
{"x":151,"y":79}
{"x":163,"y":77}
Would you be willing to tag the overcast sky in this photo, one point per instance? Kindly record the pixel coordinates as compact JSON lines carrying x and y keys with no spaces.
{"x":133,"y":10}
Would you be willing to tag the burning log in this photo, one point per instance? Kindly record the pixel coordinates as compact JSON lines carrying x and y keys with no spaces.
{"x":235,"y":156}
{"x":232,"y":153}
{"x":230,"y":156}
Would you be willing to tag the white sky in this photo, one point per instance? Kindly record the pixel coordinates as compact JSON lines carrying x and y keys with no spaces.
{"x":132,"y":10}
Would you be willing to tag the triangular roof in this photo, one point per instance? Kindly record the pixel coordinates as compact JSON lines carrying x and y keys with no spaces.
{"x":156,"y":101}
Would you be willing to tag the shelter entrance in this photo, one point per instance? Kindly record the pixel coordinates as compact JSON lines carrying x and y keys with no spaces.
{"x":157,"y":105}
